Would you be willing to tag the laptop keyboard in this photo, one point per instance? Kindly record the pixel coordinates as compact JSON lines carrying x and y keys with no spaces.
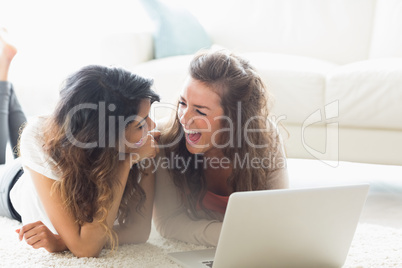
{"x":208,"y":263}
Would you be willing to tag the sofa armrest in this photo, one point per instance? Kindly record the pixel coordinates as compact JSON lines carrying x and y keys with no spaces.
{"x":127,"y":49}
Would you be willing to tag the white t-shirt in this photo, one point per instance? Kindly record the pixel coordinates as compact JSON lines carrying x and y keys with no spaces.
{"x":23,"y":195}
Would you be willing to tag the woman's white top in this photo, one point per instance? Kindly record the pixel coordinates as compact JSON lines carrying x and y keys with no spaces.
{"x":23,"y":195}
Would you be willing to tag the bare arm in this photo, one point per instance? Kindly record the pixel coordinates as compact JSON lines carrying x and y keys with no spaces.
{"x":88,"y":239}
{"x":139,"y":226}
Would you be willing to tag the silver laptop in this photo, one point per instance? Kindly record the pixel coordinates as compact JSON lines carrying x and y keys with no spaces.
{"x":284,"y":228}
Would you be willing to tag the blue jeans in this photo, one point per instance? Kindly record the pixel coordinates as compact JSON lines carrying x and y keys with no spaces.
{"x":8,"y":178}
{"x":11,"y":119}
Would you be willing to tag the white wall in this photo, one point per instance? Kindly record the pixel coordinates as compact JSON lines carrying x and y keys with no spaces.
{"x":55,"y":38}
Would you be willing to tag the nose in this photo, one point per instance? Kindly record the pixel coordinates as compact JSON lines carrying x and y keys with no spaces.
{"x":184,"y":117}
{"x":151,"y":124}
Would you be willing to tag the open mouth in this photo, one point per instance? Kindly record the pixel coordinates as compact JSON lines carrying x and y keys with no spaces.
{"x":140,"y":142}
{"x":192,"y":137}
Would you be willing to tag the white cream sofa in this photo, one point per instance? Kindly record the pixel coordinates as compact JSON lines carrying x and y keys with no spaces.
{"x":334,"y":67}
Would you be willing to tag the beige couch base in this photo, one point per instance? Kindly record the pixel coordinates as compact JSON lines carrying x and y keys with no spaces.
{"x":343,"y":144}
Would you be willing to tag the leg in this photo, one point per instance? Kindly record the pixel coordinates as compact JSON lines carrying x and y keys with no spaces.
{"x":4,"y":106}
{"x":7,"y":180}
{"x":16,"y":119}
{"x":7,"y":53}
{"x":4,"y":185}
{"x":11,"y":116}
{"x":9,"y":110}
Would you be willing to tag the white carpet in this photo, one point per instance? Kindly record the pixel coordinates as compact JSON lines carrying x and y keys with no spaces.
{"x":373,"y":246}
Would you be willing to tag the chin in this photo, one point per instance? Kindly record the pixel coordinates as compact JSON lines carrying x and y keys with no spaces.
{"x":193,"y":150}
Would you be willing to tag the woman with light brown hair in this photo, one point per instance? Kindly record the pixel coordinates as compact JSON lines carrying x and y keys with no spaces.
{"x":220,"y":141}
{"x":80,"y":169}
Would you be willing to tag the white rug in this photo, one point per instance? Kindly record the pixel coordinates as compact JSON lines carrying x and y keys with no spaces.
{"x":373,"y":246}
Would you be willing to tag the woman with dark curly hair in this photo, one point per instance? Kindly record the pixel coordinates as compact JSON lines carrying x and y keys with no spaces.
{"x":220,"y":141}
{"x":80,"y":169}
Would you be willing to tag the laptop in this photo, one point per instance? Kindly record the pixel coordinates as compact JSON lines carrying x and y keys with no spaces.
{"x":311,"y":227}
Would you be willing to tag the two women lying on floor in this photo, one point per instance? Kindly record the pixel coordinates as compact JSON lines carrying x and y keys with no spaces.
{"x":90,"y":175}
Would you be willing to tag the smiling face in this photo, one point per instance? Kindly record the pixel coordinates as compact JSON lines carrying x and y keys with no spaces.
{"x":199,"y":112}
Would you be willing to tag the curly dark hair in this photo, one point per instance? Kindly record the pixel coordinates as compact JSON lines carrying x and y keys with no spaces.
{"x":81,"y":141}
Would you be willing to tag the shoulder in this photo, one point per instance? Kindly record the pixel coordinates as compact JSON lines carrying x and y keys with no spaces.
{"x":272,"y":126}
{"x":32,"y":151}
{"x":275,"y":131}
{"x":278,"y":177}
{"x":31,"y":136}
{"x":34,"y":125}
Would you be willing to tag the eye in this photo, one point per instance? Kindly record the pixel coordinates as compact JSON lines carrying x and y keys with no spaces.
{"x":129,"y":124}
{"x":143,"y":126}
{"x":182,"y":103}
{"x":201,"y":113}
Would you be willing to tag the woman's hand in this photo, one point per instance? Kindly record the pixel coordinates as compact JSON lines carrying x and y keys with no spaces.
{"x":147,"y":150}
{"x":38,"y":235}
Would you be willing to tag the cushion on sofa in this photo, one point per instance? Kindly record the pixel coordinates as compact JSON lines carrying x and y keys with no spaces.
{"x":178,"y":32}
{"x":369,"y":93}
{"x":338,"y":31}
{"x":296,"y":83}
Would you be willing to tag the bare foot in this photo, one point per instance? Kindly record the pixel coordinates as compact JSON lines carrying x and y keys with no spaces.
{"x":7,"y":53}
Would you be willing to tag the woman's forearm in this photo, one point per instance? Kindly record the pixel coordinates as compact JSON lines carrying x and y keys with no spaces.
{"x":88,"y":239}
{"x":138,"y":228}
{"x":97,"y":233}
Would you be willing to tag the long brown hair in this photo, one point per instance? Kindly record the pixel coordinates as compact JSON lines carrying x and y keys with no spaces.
{"x":243,"y":96}
{"x":83,"y":142}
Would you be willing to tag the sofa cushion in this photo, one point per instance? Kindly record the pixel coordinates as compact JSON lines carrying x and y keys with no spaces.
{"x":178,"y":32}
{"x":369,"y":93}
{"x":338,"y":31}
{"x":297,"y":83}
